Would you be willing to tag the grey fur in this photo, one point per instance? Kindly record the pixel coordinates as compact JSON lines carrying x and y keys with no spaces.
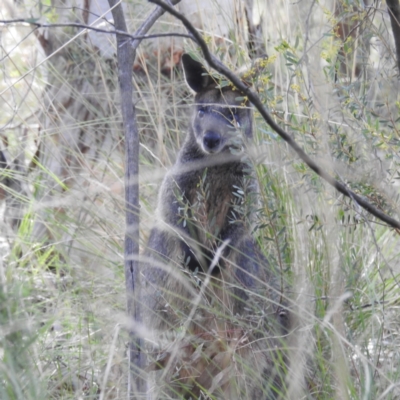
{"x":210,"y":332}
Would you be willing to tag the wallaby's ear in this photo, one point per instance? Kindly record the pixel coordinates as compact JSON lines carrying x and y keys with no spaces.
{"x":196,"y":75}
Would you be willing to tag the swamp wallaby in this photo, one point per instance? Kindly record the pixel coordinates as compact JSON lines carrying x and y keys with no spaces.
{"x":210,"y":302}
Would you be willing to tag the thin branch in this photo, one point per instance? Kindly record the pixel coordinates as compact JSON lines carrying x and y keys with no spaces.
{"x":255,"y":100}
{"x":131,"y":251}
{"x":126,"y":52}
{"x":394,"y":12}
{"x":135,"y":38}
{"x":150,"y":21}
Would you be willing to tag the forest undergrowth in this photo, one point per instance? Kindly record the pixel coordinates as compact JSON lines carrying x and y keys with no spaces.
{"x":62,"y":290}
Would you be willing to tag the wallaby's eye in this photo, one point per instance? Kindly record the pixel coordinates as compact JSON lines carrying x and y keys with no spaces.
{"x":201,"y":112}
{"x":233,"y":114}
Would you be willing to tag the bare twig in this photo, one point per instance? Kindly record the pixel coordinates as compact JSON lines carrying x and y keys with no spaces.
{"x":149,"y":22}
{"x":136,"y":38}
{"x":255,"y":100}
{"x":394,"y":12}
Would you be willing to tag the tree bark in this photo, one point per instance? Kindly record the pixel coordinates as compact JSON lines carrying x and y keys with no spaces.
{"x":126,"y":51}
{"x":125,"y":57}
{"x":394,"y":12}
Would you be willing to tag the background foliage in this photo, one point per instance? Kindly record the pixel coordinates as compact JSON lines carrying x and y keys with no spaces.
{"x":331,"y":81}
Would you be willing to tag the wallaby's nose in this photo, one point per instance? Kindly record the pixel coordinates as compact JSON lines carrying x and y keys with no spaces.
{"x":211,"y":141}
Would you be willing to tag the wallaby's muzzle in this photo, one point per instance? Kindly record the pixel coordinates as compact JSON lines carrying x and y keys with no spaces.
{"x":212,"y":142}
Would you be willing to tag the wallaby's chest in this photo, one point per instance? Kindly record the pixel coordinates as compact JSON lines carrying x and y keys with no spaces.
{"x":211,"y":196}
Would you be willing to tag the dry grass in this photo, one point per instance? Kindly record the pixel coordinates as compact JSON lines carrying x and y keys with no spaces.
{"x":62,"y":304}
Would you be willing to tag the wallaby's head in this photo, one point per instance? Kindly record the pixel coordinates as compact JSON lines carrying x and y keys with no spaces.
{"x":221,"y":117}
